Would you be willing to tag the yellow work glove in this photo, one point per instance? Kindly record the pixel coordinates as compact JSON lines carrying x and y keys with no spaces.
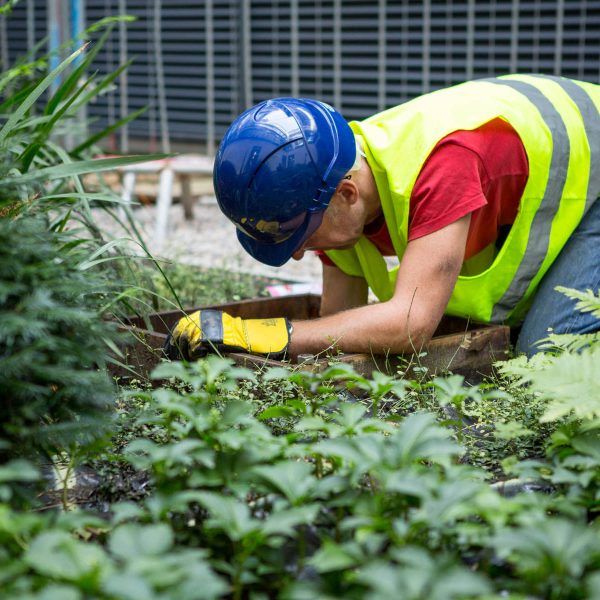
{"x":214,"y":330}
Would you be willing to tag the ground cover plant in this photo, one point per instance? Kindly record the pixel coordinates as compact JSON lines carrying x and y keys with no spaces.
{"x":220,"y":482}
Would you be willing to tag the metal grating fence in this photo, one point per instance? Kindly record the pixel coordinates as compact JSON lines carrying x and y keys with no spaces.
{"x":198,"y":63}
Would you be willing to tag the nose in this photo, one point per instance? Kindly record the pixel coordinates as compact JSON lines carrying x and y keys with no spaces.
{"x":298,"y":254}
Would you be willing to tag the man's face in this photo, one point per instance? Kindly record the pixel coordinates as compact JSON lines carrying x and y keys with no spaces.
{"x":339,"y":230}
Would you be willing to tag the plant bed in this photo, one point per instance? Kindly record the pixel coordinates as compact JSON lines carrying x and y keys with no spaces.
{"x":464,"y":347}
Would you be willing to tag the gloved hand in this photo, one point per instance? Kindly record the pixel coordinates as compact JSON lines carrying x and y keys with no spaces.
{"x":214,"y":330}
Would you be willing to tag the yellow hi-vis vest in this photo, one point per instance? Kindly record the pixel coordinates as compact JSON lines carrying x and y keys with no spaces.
{"x":558,"y":121}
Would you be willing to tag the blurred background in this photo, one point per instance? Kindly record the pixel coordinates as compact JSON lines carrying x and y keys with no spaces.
{"x":199,"y":63}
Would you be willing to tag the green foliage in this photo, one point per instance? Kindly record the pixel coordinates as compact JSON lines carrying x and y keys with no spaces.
{"x":255,"y":485}
{"x":587,"y":301}
{"x":55,"y":389}
{"x":312,"y":498}
{"x":197,"y":286}
{"x":44,"y":560}
{"x":568,"y":382}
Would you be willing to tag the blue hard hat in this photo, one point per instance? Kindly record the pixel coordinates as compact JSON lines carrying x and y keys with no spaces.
{"x":276,"y":170}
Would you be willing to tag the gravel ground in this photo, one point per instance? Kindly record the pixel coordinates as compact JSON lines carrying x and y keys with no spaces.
{"x":209,"y":240}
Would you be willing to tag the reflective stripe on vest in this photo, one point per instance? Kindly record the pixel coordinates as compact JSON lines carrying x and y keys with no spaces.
{"x":591,"y":123}
{"x":539,"y":236}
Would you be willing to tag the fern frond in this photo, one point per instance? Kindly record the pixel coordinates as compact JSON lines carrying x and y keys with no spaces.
{"x":587,"y":300}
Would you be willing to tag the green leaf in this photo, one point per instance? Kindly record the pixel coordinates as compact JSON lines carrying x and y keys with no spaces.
{"x":45,"y":129}
{"x":229,"y":515}
{"x":571,"y":384}
{"x":127,"y":586}
{"x":57,"y":554}
{"x":335,"y":557}
{"x":450,"y":389}
{"x":59,"y":592}
{"x":552,"y":549}
{"x":141,"y":540}
{"x":588,"y":301}
{"x":80,"y":167}
{"x":284,"y":522}
{"x":275,"y":412}
{"x":418,"y":438}
{"x":511,"y":430}
{"x":30,"y":100}
{"x":351,"y":414}
{"x":18,"y":470}
{"x":293,"y":479}
{"x":107,"y":131}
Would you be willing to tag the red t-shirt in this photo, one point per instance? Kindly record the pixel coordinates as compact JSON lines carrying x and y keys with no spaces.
{"x":482,"y":172}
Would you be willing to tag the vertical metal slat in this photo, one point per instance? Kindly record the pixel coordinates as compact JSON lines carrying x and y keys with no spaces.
{"x":560,"y":14}
{"x":381,"y":54}
{"x":4,"y":43}
{"x":294,"y":49}
{"x":246,"y":58}
{"x":210,"y":78}
{"x":123,"y":83}
{"x":160,"y":79}
{"x":30,"y":25}
{"x":426,"y":50}
{"x":514,"y":36}
{"x":470,"y":40}
{"x":337,"y":54}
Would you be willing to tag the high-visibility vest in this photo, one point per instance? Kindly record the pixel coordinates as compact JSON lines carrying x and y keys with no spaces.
{"x":558,"y":121}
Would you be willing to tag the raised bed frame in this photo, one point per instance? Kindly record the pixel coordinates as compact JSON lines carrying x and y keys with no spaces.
{"x":458,"y":345}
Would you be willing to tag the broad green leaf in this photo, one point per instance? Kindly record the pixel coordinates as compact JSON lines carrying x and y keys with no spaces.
{"x":229,"y":515}
{"x":335,"y":557}
{"x":293,"y":479}
{"x":555,"y":547}
{"x":57,"y":554}
{"x":127,"y":586}
{"x":59,"y":592}
{"x":131,"y":540}
{"x":418,"y":438}
{"x":407,"y":482}
{"x":284,"y":522}
{"x":275,"y":412}
{"x":350,"y":415}
{"x":18,"y":470}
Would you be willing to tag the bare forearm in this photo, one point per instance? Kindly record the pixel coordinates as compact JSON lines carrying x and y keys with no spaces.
{"x":377,"y":328}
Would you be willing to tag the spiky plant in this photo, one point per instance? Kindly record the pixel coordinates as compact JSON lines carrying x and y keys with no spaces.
{"x":54,"y":388}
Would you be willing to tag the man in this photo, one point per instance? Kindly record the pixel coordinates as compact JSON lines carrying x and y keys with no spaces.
{"x":486,"y":192}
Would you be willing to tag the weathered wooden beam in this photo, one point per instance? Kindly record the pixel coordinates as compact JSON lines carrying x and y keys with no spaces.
{"x":458,"y":345}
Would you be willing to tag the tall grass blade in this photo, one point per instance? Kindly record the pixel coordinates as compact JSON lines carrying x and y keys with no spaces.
{"x":71,"y":81}
{"x":102,"y":84}
{"x":44,"y":131}
{"x":29,"y":101}
{"x":105,"y":132}
{"x":81,"y":167}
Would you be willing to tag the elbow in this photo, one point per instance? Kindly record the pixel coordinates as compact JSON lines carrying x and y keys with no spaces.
{"x":413,"y":329}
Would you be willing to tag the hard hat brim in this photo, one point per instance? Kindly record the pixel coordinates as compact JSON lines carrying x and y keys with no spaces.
{"x":276,"y":255}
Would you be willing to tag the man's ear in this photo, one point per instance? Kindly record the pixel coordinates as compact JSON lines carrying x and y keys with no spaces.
{"x":347,"y":191}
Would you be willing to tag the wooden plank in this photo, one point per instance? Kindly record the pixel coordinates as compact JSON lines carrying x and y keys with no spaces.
{"x":469,"y":353}
{"x":458,"y":345}
{"x":298,"y":306}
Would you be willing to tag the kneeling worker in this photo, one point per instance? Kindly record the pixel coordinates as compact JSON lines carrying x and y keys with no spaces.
{"x":486,"y":192}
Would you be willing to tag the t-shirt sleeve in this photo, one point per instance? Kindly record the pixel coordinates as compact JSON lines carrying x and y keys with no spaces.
{"x":449,"y":186}
{"x":324,"y":258}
